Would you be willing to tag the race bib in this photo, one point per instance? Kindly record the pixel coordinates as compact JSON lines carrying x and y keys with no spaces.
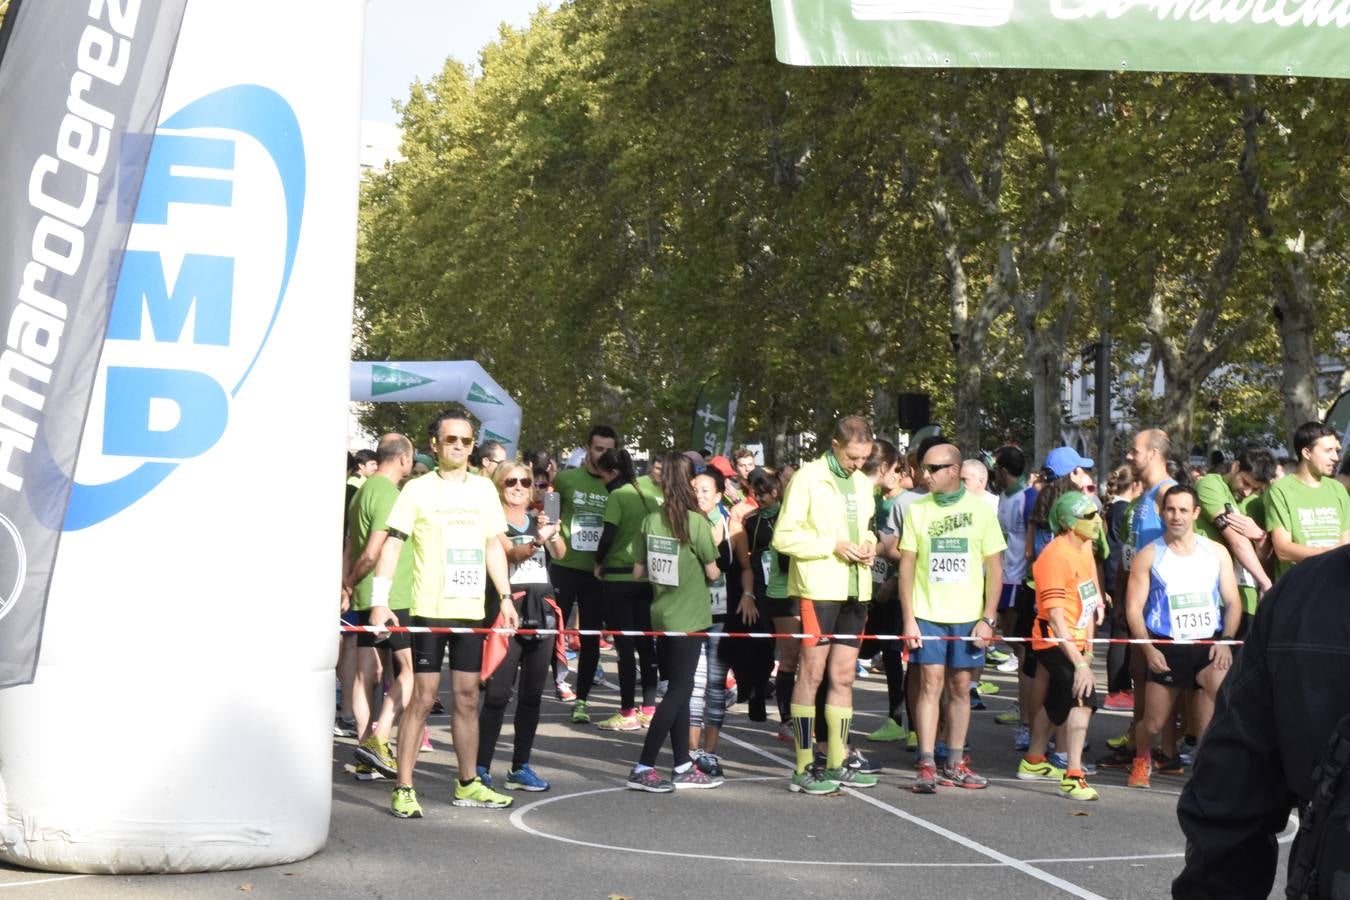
{"x":1244,"y":578}
{"x":663,"y":562}
{"x":880,"y":569}
{"x":1087,"y":595}
{"x":533,"y":570}
{"x":718,"y":590}
{"x":1193,"y":616}
{"x":465,"y":575}
{"x":949,"y":560}
{"x":1127,"y":556}
{"x":586,"y":530}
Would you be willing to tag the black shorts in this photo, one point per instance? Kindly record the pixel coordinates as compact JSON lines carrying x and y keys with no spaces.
{"x":1186,"y":661}
{"x":395,"y":641}
{"x":1059,"y":698}
{"x":825,"y":617}
{"x":1024,"y":619}
{"x":466,"y":650}
{"x":783,"y":608}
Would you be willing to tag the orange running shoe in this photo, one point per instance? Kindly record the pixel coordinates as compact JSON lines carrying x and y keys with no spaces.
{"x":1139,"y":772}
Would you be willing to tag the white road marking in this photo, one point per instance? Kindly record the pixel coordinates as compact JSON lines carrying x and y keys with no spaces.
{"x":19,"y":884}
{"x":1003,"y":858}
{"x":518,"y":820}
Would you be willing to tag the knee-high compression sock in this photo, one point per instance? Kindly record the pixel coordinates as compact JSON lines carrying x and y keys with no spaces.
{"x":837,"y":721}
{"x":783,"y":683}
{"x":821,"y":736}
{"x":803,"y":724}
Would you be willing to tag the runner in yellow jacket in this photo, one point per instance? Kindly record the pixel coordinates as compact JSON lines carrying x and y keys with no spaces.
{"x":823,"y":529}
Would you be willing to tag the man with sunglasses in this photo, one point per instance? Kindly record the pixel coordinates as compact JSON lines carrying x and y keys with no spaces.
{"x":1181,"y":588}
{"x":452,"y":519}
{"x":1068,"y":608}
{"x":951,"y":574}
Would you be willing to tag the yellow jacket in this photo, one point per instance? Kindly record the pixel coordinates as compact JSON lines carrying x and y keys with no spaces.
{"x":813,"y":520}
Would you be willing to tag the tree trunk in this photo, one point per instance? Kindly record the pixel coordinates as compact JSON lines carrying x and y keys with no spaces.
{"x":1296,"y":322}
{"x":1179,"y":413}
{"x":1045,"y":360}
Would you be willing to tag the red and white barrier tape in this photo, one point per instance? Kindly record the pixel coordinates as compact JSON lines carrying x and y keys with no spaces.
{"x":543,"y":632}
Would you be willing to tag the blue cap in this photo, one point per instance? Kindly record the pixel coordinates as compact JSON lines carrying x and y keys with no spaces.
{"x":1063,"y":460}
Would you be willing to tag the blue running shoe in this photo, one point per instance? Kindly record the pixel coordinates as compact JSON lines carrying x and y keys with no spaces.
{"x":525,"y":779}
{"x":1061,"y":761}
{"x":485,"y":777}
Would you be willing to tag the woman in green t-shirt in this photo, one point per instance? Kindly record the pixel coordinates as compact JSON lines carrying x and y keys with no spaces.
{"x":676,"y":555}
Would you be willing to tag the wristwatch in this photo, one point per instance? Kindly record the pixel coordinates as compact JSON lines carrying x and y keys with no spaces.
{"x":990,"y":622}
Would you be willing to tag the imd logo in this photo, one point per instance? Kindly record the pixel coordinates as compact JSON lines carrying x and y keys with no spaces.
{"x":204,"y":277}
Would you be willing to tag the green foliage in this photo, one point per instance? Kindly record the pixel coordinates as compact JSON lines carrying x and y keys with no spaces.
{"x":633,"y":197}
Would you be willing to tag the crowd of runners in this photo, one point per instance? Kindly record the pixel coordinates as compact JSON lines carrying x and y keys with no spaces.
{"x":967,"y":562}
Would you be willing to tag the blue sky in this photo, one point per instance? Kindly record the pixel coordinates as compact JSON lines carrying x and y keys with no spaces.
{"x":409,"y":39}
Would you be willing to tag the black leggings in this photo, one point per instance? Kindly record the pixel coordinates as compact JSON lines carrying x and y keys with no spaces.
{"x":1118,"y":655}
{"x":572,"y":587}
{"x":679,"y":661}
{"x":530,"y":657}
{"x":628,"y":607}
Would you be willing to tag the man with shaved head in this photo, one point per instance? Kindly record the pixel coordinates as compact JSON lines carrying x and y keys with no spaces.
{"x":1147,"y":457}
{"x":951,"y":575}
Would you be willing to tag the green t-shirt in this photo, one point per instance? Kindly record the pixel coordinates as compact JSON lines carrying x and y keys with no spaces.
{"x":950,"y":544}
{"x":1215,"y":495}
{"x":845,"y":486}
{"x":449,"y":524}
{"x":583,"y":516}
{"x":625,"y":511}
{"x":680,"y":597}
{"x":1313,"y":516}
{"x":367,"y":515}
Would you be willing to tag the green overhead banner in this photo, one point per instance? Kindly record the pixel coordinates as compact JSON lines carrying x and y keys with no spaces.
{"x":1261,"y":37}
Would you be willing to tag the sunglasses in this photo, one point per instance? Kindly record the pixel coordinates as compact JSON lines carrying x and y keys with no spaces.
{"x":934,"y":468}
{"x":1087,"y":517}
{"x":517,"y":482}
{"x":463,"y":441}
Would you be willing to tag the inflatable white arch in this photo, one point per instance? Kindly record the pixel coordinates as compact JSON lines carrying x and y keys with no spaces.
{"x":464,"y":381}
{"x":179,"y":717}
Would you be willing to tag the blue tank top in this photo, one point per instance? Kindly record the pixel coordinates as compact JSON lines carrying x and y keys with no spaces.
{"x":1147,"y":525}
{"x":1183,"y":593}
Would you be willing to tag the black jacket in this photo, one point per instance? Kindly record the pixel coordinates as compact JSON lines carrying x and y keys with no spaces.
{"x":1275,"y":713}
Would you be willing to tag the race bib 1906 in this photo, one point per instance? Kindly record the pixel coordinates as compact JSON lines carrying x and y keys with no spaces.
{"x":464,"y":573}
{"x":949,"y":560}
{"x":663,"y":561}
{"x":1193,"y":616}
{"x":586,"y":529}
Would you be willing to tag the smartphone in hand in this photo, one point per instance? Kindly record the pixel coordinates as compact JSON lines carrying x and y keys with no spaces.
{"x":553,"y":505}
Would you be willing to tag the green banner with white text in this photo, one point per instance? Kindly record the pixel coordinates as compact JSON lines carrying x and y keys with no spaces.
{"x":1261,"y":37}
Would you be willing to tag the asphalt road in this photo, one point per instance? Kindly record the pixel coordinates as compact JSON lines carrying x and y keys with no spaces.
{"x":590,"y":838}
